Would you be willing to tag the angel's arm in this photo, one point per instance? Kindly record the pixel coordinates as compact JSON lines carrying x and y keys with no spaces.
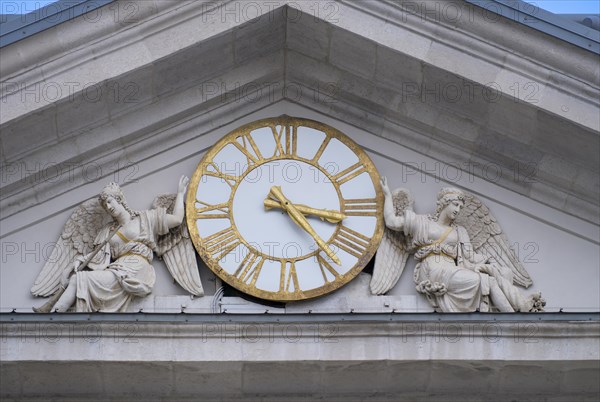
{"x":174,"y":219}
{"x":99,"y":260}
{"x":392,"y":221}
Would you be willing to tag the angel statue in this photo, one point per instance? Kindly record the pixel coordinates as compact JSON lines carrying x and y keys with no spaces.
{"x":464,"y":262}
{"x":103,"y":258}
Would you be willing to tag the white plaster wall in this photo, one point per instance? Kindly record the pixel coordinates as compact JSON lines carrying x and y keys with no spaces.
{"x":560,"y":251}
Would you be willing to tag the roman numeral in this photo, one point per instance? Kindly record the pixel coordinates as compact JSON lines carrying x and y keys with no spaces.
{"x":360,"y":207}
{"x":324,"y":265}
{"x":350,"y":241}
{"x":249,"y":269}
{"x":286,"y":140}
{"x":288,"y":281}
{"x":217,"y":211}
{"x":349,"y":173}
{"x":219,"y":244}
{"x":321,"y":149}
{"x":231,"y":180}
{"x":249,"y":148}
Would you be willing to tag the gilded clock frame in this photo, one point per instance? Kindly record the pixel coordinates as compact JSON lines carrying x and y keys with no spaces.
{"x":248,"y":288}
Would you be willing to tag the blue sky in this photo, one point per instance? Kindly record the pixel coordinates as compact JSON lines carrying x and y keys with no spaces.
{"x":569,"y":7}
{"x":22,"y":6}
{"x":555,"y":6}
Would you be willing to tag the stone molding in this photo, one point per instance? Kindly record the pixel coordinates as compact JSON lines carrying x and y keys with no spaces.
{"x":236,"y":339}
{"x":579,"y":80}
{"x":493,"y":50}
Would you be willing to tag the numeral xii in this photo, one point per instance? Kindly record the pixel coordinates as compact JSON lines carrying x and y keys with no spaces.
{"x":286,"y":140}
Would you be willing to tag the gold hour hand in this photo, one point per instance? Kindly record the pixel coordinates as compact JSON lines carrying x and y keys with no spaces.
{"x":301,"y":221}
{"x":325,"y":214}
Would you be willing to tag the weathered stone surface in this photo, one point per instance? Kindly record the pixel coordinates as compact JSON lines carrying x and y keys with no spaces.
{"x":32,"y":133}
{"x":397,"y":70}
{"x":352,"y":53}
{"x":561,"y":137}
{"x":252,"y":40}
{"x":309,"y":36}
{"x":495,"y":146}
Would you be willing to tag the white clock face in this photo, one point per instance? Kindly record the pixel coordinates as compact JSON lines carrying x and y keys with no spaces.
{"x":258,"y":246}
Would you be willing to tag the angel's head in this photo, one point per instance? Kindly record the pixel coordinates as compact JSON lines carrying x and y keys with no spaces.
{"x":113,"y":201}
{"x":449,"y":203}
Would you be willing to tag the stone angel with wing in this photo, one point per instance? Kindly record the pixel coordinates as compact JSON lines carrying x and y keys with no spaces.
{"x":103,"y":258}
{"x":464,"y":262}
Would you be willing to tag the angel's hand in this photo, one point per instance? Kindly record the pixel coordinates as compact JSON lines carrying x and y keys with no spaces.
{"x":64,"y":279}
{"x":76,"y":265}
{"x":483,"y":268}
{"x":385,"y":187}
{"x":183,"y":184}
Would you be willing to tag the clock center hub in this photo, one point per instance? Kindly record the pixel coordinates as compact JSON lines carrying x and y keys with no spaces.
{"x":272,"y":231}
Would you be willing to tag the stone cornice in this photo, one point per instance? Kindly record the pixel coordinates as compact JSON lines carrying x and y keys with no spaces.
{"x":386,"y":339}
{"x":568,"y":88}
{"x":501,"y":56}
{"x":102,"y":53}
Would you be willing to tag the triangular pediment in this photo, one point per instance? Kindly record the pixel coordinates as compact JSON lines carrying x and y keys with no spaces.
{"x":408,"y":83}
{"x":433,"y":114}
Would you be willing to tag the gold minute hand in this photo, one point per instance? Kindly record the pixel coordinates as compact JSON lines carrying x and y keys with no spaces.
{"x":301,"y":221}
{"x":327,"y":214}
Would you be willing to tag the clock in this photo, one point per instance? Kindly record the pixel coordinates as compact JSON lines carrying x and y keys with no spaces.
{"x":285,"y":209}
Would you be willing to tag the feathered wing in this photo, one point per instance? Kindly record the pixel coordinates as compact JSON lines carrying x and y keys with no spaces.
{"x":487,"y":238}
{"x":394,"y":249}
{"x":77,"y":238}
{"x":177,"y":251}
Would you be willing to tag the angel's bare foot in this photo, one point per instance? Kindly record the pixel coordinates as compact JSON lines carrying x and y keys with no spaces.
{"x":47,"y":307}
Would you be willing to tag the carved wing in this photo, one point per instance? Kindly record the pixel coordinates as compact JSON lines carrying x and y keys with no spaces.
{"x":487,"y":238}
{"x":394,"y":249}
{"x":177,"y":251}
{"x":77,"y":238}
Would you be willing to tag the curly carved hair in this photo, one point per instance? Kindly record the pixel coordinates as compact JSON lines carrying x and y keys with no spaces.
{"x":445,"y":196}
{"x":113,"y":190}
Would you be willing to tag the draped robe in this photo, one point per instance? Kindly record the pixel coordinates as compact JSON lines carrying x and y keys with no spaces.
{"x":110,"y":286}
{"x":446,"y":270}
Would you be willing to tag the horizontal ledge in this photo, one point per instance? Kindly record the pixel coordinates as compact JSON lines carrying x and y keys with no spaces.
{"x":298,"y":318}
{"x":301,"y":337}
